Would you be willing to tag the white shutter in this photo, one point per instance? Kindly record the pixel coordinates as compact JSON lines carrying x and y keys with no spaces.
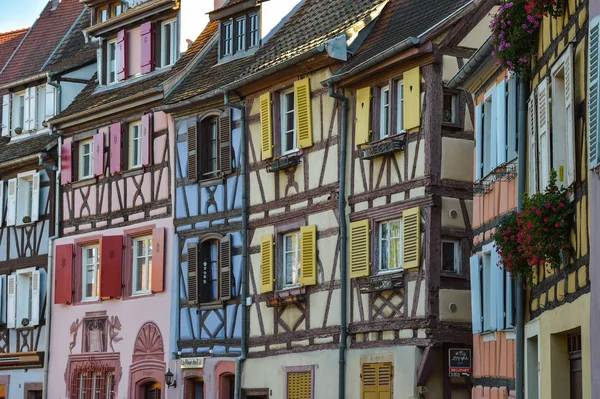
{"x":543,"y":134}
{"x":26,"y":105}
{"x":32,"y":108}
{"x":532,"y":174}
{"x":594,"y":94}
{"x":11,"y":300}
{"x":478,"y":141}
{"x":11,"y":207}
{"x":500,"y":105}
{"x":1,"y":203}
{"x":35,"y":298}
{"x":476,"y":307}
{"x":6,"y":115}
{"x":569,"y":117}
{"x":498,"y":281}
{"x":50,"y":102}
{"x":2,"y":299}
{"x":35,"y":197}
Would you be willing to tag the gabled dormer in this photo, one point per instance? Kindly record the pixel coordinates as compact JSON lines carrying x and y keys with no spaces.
{"x":239,"y":28}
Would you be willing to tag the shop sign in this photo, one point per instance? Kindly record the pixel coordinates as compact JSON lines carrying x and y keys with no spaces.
{"x":459,"y":362}
{"x":191,"y":362}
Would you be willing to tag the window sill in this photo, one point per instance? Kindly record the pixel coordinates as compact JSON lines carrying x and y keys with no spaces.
{"x":88,"y":181}
{"x":285,"y":162}
{"x":218,"y":179}
{"x":141,"y":295}
{"x":383,"y":281}
{"x":287,"y":296}
{"x":386,"y":146}
{"x":211,"y":306}
{"x":87,"y":302}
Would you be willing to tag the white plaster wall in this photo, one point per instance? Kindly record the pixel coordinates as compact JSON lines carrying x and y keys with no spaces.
{"x":70,"y":90}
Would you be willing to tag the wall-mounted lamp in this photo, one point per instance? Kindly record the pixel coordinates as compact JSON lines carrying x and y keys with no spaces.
{"x":171,"y":383}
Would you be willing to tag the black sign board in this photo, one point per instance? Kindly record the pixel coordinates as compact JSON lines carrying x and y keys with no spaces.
{"x":459,"y":362}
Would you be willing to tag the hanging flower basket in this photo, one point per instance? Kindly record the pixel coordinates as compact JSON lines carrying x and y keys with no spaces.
{"x":539,"y":8}
{"x":511,"y":257}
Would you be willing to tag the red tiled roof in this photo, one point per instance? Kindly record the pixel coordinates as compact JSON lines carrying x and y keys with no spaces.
{"x":9,"y":42}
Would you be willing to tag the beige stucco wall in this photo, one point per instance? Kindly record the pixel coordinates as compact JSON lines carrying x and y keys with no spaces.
{"x":462,"y":300}
{"x":457,"y":163}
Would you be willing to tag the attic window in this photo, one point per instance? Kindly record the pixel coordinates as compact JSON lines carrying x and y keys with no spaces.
{"x":108,"y":11}
{"x":239,"y":34}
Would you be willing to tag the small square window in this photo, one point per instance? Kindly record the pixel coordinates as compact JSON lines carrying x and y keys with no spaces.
{"x":450,"y":108}
{"x":90,"y":273}
{"x":451,"y":257}
{"x":292,"y":260}
{"x":135,"y":145}
{"x":111,"y":62}
{"x":390,"y":245}
{"x":227,"y":35}
{"x":142,"y":264}
{"x":86,"y":159}
{"x":169,"y":46}
{"x":288,"y":122}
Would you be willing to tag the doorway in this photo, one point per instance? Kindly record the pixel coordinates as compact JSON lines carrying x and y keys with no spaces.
{"x":152,"y":390}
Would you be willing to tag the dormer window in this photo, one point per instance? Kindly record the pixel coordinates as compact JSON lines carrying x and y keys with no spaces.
{"x":117,"y":9}
{"x":108,"y":11}
{"x":240,"y":34}
{"x":111,"y":62}
{"x":254,"y":31}
{"x":102,"y":14}
{"x":169,"y":47}
{"x":227,"y":38}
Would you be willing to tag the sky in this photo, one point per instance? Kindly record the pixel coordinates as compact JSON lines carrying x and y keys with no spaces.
{"x":19,"y":14}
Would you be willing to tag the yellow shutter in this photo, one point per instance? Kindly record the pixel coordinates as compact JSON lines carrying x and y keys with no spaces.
{"x":377,"y":381}
{"x":411,"y":234}
{"x":266,"y":264}
{"x":412,"y":98}
{"x":303,"y":113}
{"x":308,"y":254}
{"x":384,"y":380}
{"x":266,"y":126}
{"x":299,"y":385}
{"x":359,"y":249}
{"x":363,"y":116}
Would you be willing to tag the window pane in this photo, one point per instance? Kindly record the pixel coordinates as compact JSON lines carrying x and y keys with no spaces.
{"x":448,"y":256}
{"x":395,"y":253}
{"x":385,"y":112}
{"x":449,"y":110}
{"x":167,"y":43}
{"x":384,"y":255}
{"x":400,"y":108}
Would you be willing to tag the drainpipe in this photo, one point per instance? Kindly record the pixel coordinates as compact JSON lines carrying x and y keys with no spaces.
{"x":521,"y":167}
{"x":343,"y":238}
{"x":244,"y":286}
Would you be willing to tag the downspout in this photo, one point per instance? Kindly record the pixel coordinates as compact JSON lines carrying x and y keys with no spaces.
{"x":244,"y":283}
{"x":343,"y":233}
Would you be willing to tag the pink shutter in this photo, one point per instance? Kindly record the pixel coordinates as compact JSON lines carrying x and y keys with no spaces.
{"x":66,"y":161}
{"x":99,"y":153}
{"x":111,"y":266}
{"x":122,"y":54}
{"x":115,"y":148}
{"x":147,"y":47}
{"x":63,"y":271}
{"x":147,"y":139}
{"x":157,"y":274}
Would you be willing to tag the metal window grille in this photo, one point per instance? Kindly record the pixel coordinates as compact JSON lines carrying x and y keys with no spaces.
{"x":92,"y":380}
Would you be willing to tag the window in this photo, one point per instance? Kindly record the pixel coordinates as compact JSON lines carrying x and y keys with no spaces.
{"x":27,"y":287}
{"x":240,"y":34}
{"x":169,"y":46}
{"x":254,"y":31}
{"x":209,"y":271}
{"x":451,"y":257}
{"x":111,"y":62}
{"x":390,"y":245}
{"x":292,"y":260}
{"x":288,"y":123}
{"x":27,"y":193}
{"x":102,"y":14}
{"x":117,"y":9}
{"x":86,"y":159}
{"x":377,"y":380}
{"x":400,"y":107}
{"x":90,"y":273}
{"x":299,"y":383}
{"x":488,"y":116}
{"x":90,"y":383}
{"x":384,"y":112}
{"x":227,"y":38}
{"x":575,"y":366}
{"x":450,"y":115}
{"x":142,"y":264}
{"x":211,"y":148}
{"x":135,"y":145}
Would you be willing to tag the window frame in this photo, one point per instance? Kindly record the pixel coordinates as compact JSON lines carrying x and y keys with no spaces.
{"x":284,"y":129}
{"x":147,"y":264}
{"x":174,"y":46}
{"x":399,"y":106}
{"x":227,"y":43}
{"x":111,"y":65}
{"x":80,"y":145}
{"x":457,"y":257}
{"x":385,"y":114}
{"x":380,"y":224}
{"x":113,"y":9}
{"x":455,"y":108}
{"x":284,"y":285}
{"x":253,"y":35}
{"x":208,"y":122}
{"x":133,"y":126}
{"x":100,"y":10}
{"x":20,"y":275}
{"x":243,"y":36}
{"x":28,"y":177}
{"x":83,"y":266}
{"x":301,"y":369}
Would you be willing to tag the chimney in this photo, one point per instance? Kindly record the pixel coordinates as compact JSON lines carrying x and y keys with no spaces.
{"x":54,"y":5}
{"x":219,"y":4}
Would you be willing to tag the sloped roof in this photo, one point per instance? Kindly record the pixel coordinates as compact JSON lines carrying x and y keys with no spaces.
{"x":15,"y":149}
{"x":8,"y":44}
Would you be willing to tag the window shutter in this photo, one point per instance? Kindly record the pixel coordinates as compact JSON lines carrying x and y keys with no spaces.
{"x":50,"y":102}
{"x":63,"y":279}
{"x":157,"y":273}
{"x":1,"y":212}
{"x":35,"y":197}
{"x":266,"y":264}
{"x":192,"y":274}
{"x":111,"y":266}
{"x":33,"y":93}
{"x":36,"y":282}
{"x":6,"y":115}
{"x":360,"y":259}
{"x":192,"y":151}
{"x":501,"y":116}
{"x":11,"y":206}
{"x":569,"y":117}
{"x":490,"y":160}
{"x":147,"y":139}
{"x":543,"y":133}
{"x":594,"y":94}
{"x":479,"y":141}
{"x":476,"y":305}
{"x":225,"y":267}
{"x":411,"y":234}
{"x":303,"y":113}
{"x":115,"y":148}
{"x":532,"y":174}
{"x":412,"y":98}
{"x":512,"y":119}
{"x":205,"y":273}
{"x":509,"y":284}
{"x":66,"y":161}
{"x":11,"y":301}
{"x":299,"y":385}
{"x":266,"y":126}
{"x":225,"y":142}
{"x":377,"y":381}
{"x":147,"y":33}
{"x":99,"y":153}
{"x":362,"y":131}
{"x":498,"y":281}
{"x":308,"y":254}
{"x":2,"y":299}
{"x":122,"y":54}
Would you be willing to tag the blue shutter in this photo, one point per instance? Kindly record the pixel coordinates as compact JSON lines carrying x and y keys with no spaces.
{"x":509,"y":284}
{"x":476,"y":293}
{"x":498,"y":284}
{"x":512,"y":119}
{"x":501,"y":116}
{"x":478,"y":141}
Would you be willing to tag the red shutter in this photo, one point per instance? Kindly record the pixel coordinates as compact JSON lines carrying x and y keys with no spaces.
{"x":63,"y":274}
{"x":157,"y":274}
{"x":115,"y":148}
{"x":122,"y":54}
{"x":147,"y":140}
{"x":147,"y":47}
{"x":111,"y":266}
{"x":66,"y":161}
{"x":99,"y":153}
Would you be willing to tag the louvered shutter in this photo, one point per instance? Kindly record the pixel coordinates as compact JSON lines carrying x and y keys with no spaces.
{"x":111,"y":266}
{"x":192,"y":145}
{"x":122,"y":54}
{"x":476,"y":305}
{"x":26,"y":114}
{"x":478,"y":141}
{"x":360,"y":260}
{"x":11,"y":301}
{"x":98,"y":157}
{"x":512,"y":120}
{"x":35,"y":197}
{"x":266,"y":264}
{"x":225,"y":267}
{"x":33,"y":93}
{"x":498,"y":302}
{"x":543,"y":134}
{"x":532,"y":165}
{"x":569,"y":117}
{"x":594,"y":93}
{"x":501,"y":122}
{"x":225,"y":142}
{"x":50,"y":102}
{"x":63,"y":278}
{"x":1,"y":210}
{"x":66,"y":161}
{"x":115,"y":148}
{"x":266,"y":126}
{"x":412,"y":98}
{"x":377,"y":381}
{"x":6,"y":115}
{"x":157,"y":272}
{"x":362,"y":131}
{"x":147,"y":38}
{"x":303,"y":105}
{"x":411,"y":235}
{"x":147,"y":139}
{"x":308,"y":254}
{"x":11,"y":205}
{"x":36,"y":282}
{"x":299,"y":385}
{"x":509,"y":285}
{"x":192,"y":274}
